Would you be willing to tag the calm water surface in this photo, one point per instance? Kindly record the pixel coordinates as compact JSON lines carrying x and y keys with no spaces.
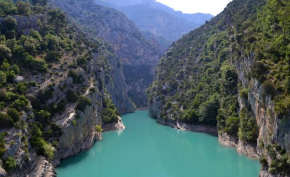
{"x":148,"y":149}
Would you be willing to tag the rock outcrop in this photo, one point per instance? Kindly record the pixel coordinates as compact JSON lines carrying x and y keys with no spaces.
{"x":249,"y":150}
{"x":114,"y":126}
{"x":38,"y":166}
{"x":2,"y":172}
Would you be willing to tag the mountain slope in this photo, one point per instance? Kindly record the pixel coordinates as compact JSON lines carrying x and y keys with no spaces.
{"x":127,"y":41}
{"x":158,"y":19}
{"x":58,"y":89}
{"x":233,"y":73}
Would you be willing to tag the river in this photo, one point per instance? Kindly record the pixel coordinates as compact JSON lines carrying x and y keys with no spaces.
{"x":148,"y":149}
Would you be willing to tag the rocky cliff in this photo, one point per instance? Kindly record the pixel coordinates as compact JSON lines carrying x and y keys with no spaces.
{"x":233,"y":73}
{"x":138,"y":55}
{"x":58,"y":90}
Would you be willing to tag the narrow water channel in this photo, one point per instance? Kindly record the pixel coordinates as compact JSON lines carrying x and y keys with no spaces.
{"x":148,"y":149}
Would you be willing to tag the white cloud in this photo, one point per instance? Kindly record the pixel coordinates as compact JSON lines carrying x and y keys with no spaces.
{"x":213,"y":7}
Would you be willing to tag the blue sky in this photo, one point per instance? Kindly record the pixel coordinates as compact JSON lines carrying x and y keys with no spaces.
{"x":213,"y":7}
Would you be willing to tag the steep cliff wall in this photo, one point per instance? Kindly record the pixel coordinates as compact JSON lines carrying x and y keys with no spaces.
{"x":138,"y":55}
{"x":233,"y":73}
{"x":60,"y":89}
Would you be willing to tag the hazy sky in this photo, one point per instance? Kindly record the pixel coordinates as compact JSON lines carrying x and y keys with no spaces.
{"x":192,"y":6}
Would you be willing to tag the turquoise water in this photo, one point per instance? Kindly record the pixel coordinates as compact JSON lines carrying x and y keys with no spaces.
{"x":148,"y":149}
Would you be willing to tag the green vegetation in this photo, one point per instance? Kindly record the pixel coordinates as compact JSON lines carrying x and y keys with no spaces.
{"x":71,"y":96}
{"x":5,"y":121}
{"x":2,"y":144}
{"x":37,"y":142}
{"x":110,"y":113}
{"x":197,"y":79}
{"x":34,"y":65}
{"x":10,"y":163}
{"x":14,"y":114}
{"x":98,"y":128}
{"x":280,"y":163}
{"x":248,"y":130}
{"x":82,"y":103}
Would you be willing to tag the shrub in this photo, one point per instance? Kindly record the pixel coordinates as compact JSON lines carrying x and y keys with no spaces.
{"x":14,"y":114}
{"x":263,"y":161}
{"x":98,"y":128}
{"x":71,"y":96}
{"x":5,"y":52}
{"x":191,"y":116}
{"x":10,"y":163}
{"x":232,"y":126}
{"x":5,"y":121}
{"x":248,"y":130}
{"x":15,"y":69}
{"x":168,"y":105}
{"x":48,"y":150}
{"x":76,"y":77}
{"x":54,"y":143}
{"x":46,"y":94}
{"x":81,"y":61}
{"x":287,"y":85}
{"x":23,"y":8}
{"x":35,"y":64}
{"x":208,"y":110}
{"x":42,"y":116}
{"x":7,"y":8}
{"x":280,"y":165}
{"x":82,"y":103}
{"x":20,"y":103}
{"x":31,"y":45}
{"x":268,"y":88}
{"x":244,"y":93}
{"x":109,"y":116}
{"x":21,"y":88}
{"x":52,"y":56}
{"x":282,"y":107}
{"x":259,"y":71}
{"x":2,"y":144}
{"x":74,"y":122}
{"x":2,"y":78}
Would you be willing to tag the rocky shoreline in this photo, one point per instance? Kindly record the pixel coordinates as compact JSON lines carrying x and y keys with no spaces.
{"x":243,"y":148}
{"x":114,"y":126}
{"x":41,"y":167}
{"x":189,"y":127}
{"x":249,"y":150}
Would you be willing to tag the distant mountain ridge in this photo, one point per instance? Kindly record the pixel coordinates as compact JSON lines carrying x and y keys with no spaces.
{"x":158,"y":19}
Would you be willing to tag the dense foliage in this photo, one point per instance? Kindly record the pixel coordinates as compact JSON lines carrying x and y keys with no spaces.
{"x":110,"y":114}
{"x":36,"y":65}
{"x":198,"y":79}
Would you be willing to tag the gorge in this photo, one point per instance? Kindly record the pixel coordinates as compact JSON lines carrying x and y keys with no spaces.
{"x":70,"y":70}
{"x":147,"y":148}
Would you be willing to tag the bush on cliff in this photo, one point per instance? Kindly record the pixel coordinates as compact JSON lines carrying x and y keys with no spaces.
{"x":82,"y":103}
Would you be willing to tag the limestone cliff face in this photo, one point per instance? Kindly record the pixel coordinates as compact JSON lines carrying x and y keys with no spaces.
{"x":82,"y":135}
{"x":138,"y":55}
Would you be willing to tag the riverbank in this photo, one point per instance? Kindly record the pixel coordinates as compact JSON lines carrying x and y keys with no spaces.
{"x":145,"y":144}
{"x":249,"y":150}
{"x":190,"y":127}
